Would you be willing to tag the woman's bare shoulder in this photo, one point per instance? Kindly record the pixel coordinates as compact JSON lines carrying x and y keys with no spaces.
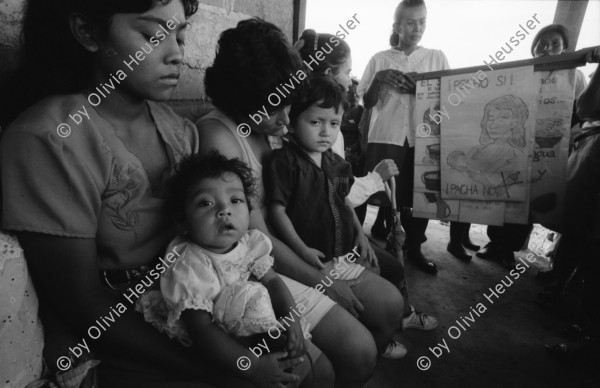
{"x":214,"y":134}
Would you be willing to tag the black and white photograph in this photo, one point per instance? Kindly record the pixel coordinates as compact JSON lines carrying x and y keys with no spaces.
{"x":299,"y":193}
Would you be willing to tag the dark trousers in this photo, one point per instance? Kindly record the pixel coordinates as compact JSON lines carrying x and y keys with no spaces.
{"x":392,"y":271}
{"x":361,"y":212}
{"x":413,"y":226}
{"x":404,"y":157}
{"x":459,"y":232}
{"x":508,"y":237}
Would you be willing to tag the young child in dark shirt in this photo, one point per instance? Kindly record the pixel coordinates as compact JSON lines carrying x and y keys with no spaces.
{"x":307,"y":185}
{"x":309,"y":182}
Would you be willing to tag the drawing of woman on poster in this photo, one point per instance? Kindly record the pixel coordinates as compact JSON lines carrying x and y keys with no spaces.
{"x":499,"y":160}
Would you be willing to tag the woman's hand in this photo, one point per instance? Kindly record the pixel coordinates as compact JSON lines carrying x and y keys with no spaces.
{"x":390,"y":77}
{"x":268,"y":370}
{"x":409,"y":86}
{"x":341,"y":293}
{"x":296,"y":345}
{"x":367,"y":254}
{"x":593,"y":56}
{"x":386,"y":169}
{"x":312,"y":256}
{"x":397,"y":80}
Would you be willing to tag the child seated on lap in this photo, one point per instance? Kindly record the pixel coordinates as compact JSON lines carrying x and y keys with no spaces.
{"x":219,"y":260}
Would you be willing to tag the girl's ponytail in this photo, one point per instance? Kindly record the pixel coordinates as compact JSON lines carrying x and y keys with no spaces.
{"x":394,"y":39}
{"x":335,"y":50}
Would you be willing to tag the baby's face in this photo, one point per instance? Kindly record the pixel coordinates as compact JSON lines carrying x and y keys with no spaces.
{"x":316,"y":129}
{"x":216,"y":213}
{"x":498,"y":122}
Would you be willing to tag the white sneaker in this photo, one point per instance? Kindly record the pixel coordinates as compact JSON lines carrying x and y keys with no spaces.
{"x":418,"y":320}
{"x":394,"y":350}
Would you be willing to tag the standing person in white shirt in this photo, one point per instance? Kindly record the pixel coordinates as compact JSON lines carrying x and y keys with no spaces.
{"x":390,"y":93}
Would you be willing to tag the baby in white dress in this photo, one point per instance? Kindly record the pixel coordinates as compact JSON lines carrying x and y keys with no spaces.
{"x":224,"y":271}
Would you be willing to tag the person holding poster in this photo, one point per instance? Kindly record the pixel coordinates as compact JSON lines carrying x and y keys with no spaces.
{"x":504,"y":240}
{"x":389,"y":93}
{"x":581,"y":228}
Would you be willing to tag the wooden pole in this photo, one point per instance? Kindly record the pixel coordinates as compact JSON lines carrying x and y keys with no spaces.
{"x":299,"y":18}
{"x":570,"y":14}
{"x":551,"y":62}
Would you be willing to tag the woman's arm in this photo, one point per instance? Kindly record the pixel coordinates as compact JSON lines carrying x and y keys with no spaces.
{"x":212,"y":342}
{"x":283,"y":303}
{"x":284,"y":227}
{"x":393,"y":78}
{"x":67,"y":279}
{"x":213,"y":135}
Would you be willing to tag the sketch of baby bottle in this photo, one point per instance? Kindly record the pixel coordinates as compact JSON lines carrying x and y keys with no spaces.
{"x":443,"y":210}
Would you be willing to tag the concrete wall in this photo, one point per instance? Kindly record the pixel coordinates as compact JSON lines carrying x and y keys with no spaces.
{"x":212,"y":18}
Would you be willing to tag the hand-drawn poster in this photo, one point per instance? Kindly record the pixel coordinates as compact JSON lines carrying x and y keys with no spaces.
{"x":482,"y":212}
{"x":427,"y":200}
{"x":518,"y":212}
{"x":552,"y":132}
{"x":488,"y":121}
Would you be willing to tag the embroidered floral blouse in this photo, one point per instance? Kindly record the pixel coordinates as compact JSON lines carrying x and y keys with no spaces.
{"x":88,"y":184}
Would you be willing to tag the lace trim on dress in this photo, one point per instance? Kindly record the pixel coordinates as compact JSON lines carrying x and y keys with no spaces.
{"x":262,"y":266}
{"x":9,"y":248}
{"x":192,"y":303}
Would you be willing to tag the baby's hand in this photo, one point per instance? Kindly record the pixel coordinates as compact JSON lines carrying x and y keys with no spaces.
{"x":312,"y":257}
{"x":296,"y":344}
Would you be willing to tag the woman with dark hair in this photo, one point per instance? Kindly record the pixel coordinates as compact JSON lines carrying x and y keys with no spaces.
{"x":390,"y":93}
{"x":254,"y":62}
{"x":83,"y":184}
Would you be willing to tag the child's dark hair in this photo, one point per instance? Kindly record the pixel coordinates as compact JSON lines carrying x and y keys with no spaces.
{"x":335,"y":50}
{"x":395,"y":38}
{"x":252,"y":60}
{"x":352,"y":95}
{"x":558,"y":28}
{"x":51,"y":60}
{"x":319,"y":87}
{"x":192,"y":169}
